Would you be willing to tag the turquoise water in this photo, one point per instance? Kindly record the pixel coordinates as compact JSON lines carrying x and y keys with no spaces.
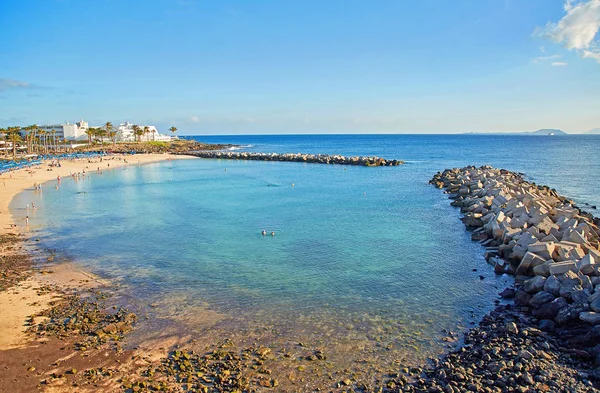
{"x":372,"y":255}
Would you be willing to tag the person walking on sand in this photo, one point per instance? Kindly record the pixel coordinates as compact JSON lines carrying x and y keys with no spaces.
{"x":26,"y":220}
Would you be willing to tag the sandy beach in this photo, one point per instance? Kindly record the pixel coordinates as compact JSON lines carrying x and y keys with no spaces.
{"x":34,"y":293}
{"x":21,"y":300}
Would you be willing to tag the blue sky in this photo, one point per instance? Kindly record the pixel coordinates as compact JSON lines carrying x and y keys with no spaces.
{"x":283,"y":66}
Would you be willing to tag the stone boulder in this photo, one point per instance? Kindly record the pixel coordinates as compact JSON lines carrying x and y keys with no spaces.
{"x":590,"y":317}
{"x":540,"y":298}
{"x":534,"y":285}
{"x":569,"y":313}
{"x":529,"y":261}
{"x":542,"y":249}
{"x":552,"y":285}
{"x":586,"y":264}
{"x":550,"y":310}
{"x":558,"y":268}
{"x":522,"y":298}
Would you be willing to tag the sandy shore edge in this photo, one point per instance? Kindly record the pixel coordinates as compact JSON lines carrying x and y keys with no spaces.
{"x":22,"y":300}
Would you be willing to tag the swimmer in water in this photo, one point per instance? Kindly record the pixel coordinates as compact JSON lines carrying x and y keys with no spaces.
{"x":264,"y":232}
{"x":273,"y":233}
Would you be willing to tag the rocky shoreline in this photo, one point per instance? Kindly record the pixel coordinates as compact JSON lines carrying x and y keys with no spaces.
{"x":175,"y":147}
{"x":297,"y":157}
{"x":552,"y":248}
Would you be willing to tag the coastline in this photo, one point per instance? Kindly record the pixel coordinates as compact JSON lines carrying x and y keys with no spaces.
{"x":25,"y":300}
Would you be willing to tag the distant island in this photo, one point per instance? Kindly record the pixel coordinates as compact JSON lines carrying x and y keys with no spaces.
{"x":594,"y":131}
{"x":546,"y":131}
{"x":541,"y":132}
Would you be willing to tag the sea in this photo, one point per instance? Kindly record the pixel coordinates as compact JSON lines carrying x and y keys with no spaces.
{"x":369,"y":264}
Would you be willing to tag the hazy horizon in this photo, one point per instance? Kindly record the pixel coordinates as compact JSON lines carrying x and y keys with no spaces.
{"x":307,"y":67}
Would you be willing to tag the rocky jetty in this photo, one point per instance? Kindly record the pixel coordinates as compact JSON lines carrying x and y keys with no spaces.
{"x":541,"y":237}
{"x":297,"y":157}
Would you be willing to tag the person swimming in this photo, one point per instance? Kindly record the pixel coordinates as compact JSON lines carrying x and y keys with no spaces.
{"x":273,"y":233}
{"x":264,"y":232}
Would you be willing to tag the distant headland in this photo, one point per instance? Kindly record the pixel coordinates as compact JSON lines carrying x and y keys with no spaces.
{"x":540,"y":132}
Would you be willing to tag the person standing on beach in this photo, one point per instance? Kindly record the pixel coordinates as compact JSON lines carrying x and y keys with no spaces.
{"x":27,"y":221}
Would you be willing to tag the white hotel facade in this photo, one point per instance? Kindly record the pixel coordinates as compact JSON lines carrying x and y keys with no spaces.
{"x":67,"y":131}
{"x":77,"y":132}
{"x":125,"y":133}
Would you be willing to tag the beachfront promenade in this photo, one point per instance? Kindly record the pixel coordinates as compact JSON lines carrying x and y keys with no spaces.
{"x":297,"y":157}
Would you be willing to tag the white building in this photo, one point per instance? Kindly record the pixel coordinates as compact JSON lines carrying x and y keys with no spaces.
{"x":125,"y":133}
{"x":68,"y":131}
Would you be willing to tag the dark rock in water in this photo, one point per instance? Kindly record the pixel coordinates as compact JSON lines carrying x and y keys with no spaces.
{"x":522,"y":298}
{"x":508,"y":293}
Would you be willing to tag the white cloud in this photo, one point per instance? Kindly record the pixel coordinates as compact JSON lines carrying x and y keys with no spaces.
{"x":568,"y":5}
{"x":577,"y":29}
{"x":6,"y":84}
{"x":194,"y":119}
{"x":559,"y":64}
{"x":546,"y":58}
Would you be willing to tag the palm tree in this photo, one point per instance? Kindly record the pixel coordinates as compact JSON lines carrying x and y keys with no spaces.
{"x":40,"y":134}
{"x":27,"y":130}
{"x":53,"y":132}
{"x":138,"y":132}
{"x":146,"y":132}
{"x":34,"y":129}
{"x":14,"y":136}
{"x":90,"y":132}
{"x":108,"y":127}
{"x":100,"y":132}
{"x":45,"y":135}
{"x":173,"y":130}
{"x":30,"y":137}
{"x":113,"y":135}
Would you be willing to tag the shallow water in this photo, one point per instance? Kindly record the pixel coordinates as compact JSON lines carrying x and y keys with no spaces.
{"x":368,"y":262}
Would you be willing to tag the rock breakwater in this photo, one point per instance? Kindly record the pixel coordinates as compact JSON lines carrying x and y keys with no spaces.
{"x":297,"y":157}
{"x":541,"y":237}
